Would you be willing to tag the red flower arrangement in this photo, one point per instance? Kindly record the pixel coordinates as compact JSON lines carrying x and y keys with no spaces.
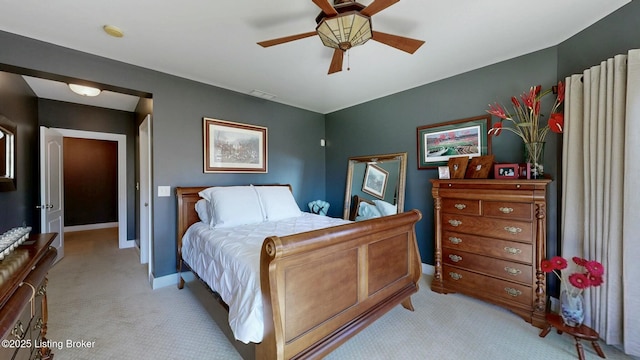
{"x":525,"y":120}
{"x":591,"y":273}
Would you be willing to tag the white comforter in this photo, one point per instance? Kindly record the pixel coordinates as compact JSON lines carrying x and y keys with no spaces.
{"x":228,"y":260}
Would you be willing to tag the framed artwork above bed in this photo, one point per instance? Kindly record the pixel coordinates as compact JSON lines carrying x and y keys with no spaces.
{"x":234,"y":147}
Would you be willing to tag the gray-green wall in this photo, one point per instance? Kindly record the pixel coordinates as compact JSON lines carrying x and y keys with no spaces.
{"x":381,"y":126}
{"x":389,"y":125}
{"x":295,"y":155}
{"x":19,"y":104}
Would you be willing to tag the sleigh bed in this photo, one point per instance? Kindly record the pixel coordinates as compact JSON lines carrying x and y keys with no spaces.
{"x":317,"y":288}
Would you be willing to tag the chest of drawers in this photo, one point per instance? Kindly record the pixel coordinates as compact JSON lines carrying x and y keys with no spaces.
{"x":23,"y":299}
{"x":490,"y":236}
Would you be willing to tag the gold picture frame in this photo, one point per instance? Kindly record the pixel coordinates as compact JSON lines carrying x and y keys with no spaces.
{"x":233,"y":147}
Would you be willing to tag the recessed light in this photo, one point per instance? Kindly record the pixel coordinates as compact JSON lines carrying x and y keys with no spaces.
{"x":113,"y":31}
{"x":84,"y":90}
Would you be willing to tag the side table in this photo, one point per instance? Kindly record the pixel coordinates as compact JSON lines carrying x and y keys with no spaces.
{"x":581,"y":332}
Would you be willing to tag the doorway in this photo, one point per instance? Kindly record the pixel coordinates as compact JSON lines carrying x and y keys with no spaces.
{"x":122,"y":175}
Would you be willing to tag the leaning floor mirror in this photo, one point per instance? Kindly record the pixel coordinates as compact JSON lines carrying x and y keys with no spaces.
{"x":375,"y":186}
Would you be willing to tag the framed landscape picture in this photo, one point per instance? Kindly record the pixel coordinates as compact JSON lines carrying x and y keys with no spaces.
{"x":459,"y":138}
{"x":234,"y":147}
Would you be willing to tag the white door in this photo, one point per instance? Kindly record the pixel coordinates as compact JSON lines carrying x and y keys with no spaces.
{"x":145,"y":192}
{"x":52,"y":187}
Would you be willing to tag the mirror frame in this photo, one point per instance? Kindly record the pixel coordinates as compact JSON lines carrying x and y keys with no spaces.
{"x":402,"y":177}
{"x":8,"y":181}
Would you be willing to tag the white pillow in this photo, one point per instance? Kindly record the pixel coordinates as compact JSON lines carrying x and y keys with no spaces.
{"x":385,"y":208}
{"x":233,"y":205}
{"x":277,"y":202}
{"x":368,"y":211}
{"x":204,"y":211}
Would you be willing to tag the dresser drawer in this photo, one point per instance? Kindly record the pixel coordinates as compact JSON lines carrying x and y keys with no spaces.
{"x":16,"y":316}
{"x":486,"y":265}
{"x":485,"y":286}
{"x":508,"y":250}
{"x":489,"y":227}
{"x":461,"y":206}
{"x":508,"y":210}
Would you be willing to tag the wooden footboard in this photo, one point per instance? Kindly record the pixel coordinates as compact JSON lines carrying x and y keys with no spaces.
{"x":322,"y":287}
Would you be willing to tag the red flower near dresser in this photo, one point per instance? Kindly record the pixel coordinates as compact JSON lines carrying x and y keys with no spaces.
{"x":589,"y":273}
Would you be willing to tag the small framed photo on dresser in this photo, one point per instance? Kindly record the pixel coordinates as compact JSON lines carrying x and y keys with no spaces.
{"x":506,"y":171}
{"x":525,"y":170}
{"x":443,"y":172}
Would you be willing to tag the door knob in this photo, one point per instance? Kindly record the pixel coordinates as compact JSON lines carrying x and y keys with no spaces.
{"x":45,"y":206}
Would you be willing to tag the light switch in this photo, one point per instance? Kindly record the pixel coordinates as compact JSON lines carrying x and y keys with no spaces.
{"x":164,"y":191}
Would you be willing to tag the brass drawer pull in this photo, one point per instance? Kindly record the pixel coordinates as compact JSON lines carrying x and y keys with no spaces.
{"x":455,"y":258}
{"x":512,"y":271}
{"x":506,"y":210}
{"x":38,"y":325}
{"x":513,"y":230}
{"x":512,"y":250}
{"x":455,"y":222}
{"x":42,"y":290}
{"x":460,"y":206}
{"x":455,"y":240}
{"x":18,"y":330}
{"x":455,"y":276}
{"x":513,"y":292}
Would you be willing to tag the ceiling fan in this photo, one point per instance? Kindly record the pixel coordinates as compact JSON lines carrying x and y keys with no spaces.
{"x":347,"y":24}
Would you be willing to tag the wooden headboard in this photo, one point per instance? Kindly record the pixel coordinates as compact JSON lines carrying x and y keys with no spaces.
{"x":187,"y":215}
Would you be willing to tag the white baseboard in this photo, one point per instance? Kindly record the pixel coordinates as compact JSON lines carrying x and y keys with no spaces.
{"x":555,"y":304}
{"x":428,"y":269}
{"x":169,"y":280}
{"x":90,"y":227}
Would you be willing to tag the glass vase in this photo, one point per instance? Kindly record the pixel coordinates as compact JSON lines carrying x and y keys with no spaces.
{"x":534,"y":155}
{"x":571,"y":308}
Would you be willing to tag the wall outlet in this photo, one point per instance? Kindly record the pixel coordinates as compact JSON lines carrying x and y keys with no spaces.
{"x":164,"y":191}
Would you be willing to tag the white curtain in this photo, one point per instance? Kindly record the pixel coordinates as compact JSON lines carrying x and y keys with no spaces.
{"x":601,"y":192}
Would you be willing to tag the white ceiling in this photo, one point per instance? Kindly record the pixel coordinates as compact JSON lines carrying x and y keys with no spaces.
{"x":214,"y":42}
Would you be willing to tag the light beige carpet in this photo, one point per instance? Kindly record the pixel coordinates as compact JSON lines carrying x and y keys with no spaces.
{"x":100,"y":294}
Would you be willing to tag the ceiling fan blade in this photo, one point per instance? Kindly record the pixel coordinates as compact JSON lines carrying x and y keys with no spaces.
{"x":326,"y":7}
{"x":336,"y":61}
{"x":399,"y":42}
{"x":286,"y":39}
{"x":376,"y":6}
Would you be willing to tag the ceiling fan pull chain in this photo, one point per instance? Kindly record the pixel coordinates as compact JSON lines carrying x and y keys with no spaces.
{"x":348,"y":65}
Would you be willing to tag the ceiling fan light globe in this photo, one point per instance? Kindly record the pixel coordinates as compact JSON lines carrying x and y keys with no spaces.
{"x":345,"y":30}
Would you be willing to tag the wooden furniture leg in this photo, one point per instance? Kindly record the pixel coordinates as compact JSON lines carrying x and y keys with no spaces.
{"x":45,"y":352}
{"x":545,"y":331}
{"x":580,"y":349}
{"x":578,"y":332}
{"x":598,"y":349}
{"x":407,"y":304}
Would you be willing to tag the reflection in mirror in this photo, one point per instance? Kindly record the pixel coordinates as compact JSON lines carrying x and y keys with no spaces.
{"x":7,"y":154}
{"x":375,"y":186}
